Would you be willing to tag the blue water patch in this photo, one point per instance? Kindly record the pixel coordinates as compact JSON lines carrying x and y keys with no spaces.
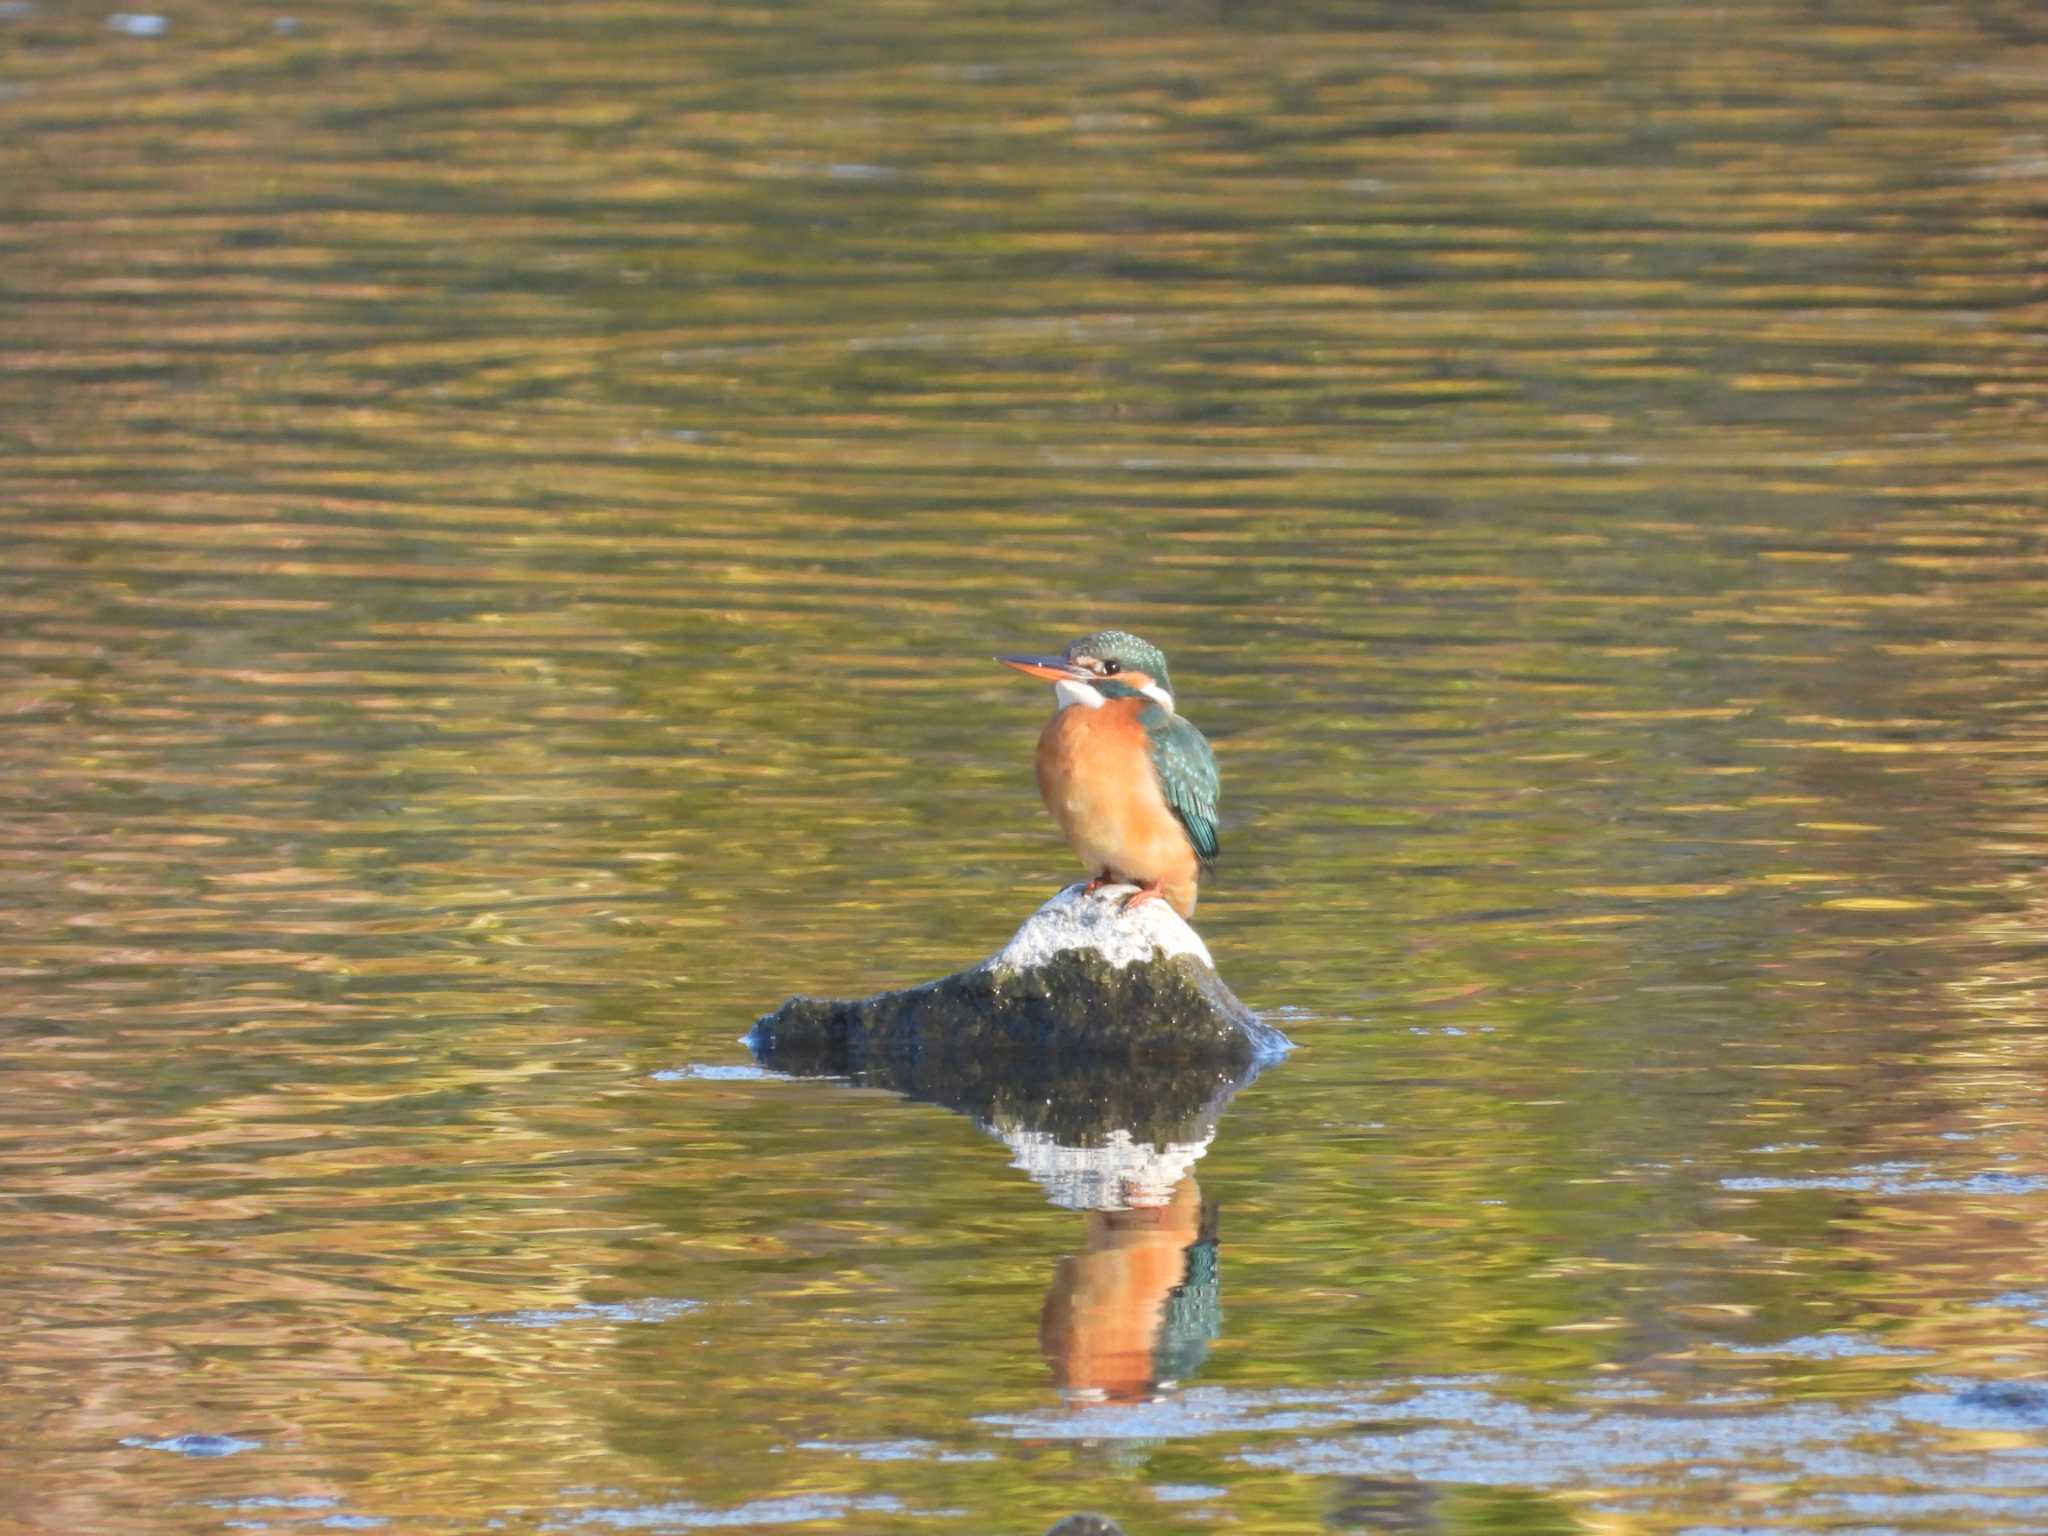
{"x":875,"y":1450}
{"x":793,"y":1509}
{"x":1886,"y":1181}
{"x":2035,"y":1302}
{"x":653,"y":1310}
{"x":701,"y":1072}
{"x":1186,"y":1493}
{"x":1825,"y":1346}
{"x":1453,"y":1435}
{"x":895,"y":1450}
{"x":1958,"y":1503}
{"x":1199,"y":1411}
{"x":202,"y":1447}
{"x":274,"y":1501}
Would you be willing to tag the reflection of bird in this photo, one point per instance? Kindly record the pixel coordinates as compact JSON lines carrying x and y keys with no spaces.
{"x":1130,"y":782}
{"x":1136,"y":1309}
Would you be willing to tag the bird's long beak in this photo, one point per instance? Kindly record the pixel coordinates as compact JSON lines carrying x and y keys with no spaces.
{"x":1054,"y":669}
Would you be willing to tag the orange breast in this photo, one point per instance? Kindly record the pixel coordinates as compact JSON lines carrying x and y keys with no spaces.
{"x":1095,"y":773}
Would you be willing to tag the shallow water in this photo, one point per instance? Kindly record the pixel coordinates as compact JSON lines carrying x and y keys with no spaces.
{"x":506,"y":511}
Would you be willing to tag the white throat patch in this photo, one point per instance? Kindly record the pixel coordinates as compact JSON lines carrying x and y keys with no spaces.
{"x":1066,"y":692}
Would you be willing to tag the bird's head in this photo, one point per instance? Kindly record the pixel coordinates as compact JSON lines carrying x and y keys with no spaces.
{"x":1097,"y":668}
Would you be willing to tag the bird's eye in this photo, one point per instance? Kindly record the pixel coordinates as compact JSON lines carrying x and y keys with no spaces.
{"x":1111,"y":668}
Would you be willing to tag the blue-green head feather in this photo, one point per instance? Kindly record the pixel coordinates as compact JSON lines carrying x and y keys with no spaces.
{"x":1121,"y":652}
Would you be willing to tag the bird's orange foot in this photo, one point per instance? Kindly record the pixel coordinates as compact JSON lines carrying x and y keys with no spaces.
{"x":1105,"y":878}
{"x":1144,"y":893}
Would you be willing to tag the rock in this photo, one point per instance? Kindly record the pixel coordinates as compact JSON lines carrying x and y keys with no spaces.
{"x":1074,"y":919}
{"x":1100,"y":1046}
{"x":1082,"y":982}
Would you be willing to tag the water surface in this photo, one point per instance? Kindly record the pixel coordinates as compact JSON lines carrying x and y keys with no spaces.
{"x":507,"y":509}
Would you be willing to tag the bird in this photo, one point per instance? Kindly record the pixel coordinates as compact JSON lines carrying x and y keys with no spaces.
{"x":1132,"y":784}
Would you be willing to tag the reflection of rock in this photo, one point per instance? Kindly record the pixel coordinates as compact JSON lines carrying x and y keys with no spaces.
{"x":1121,"y":1174}
{"x":1082,"y":976}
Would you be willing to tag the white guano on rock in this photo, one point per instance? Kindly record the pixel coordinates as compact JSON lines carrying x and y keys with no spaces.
{"x":1079,"y":919}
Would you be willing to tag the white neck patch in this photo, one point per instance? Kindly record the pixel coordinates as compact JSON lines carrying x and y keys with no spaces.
{"x":1066,"y":692}
{"x":1159,"y":696}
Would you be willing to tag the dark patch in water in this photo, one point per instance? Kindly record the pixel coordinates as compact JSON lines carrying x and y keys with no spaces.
{"x":2019,"y":1400}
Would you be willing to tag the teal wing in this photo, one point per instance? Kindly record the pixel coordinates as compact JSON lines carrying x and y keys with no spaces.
{"x":1187,"y":774}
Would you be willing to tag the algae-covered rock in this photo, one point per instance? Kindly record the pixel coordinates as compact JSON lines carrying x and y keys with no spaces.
{"x":1082,"y":978}
{"x":1099,"y":1045}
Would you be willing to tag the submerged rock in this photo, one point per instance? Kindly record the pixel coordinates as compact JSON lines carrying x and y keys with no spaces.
{"x":1083,"y":980}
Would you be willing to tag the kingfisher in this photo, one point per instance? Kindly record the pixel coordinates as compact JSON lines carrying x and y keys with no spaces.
{"x":1130,"y":782}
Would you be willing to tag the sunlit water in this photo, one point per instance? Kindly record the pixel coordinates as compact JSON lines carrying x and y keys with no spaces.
{"x":507,"y":509}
